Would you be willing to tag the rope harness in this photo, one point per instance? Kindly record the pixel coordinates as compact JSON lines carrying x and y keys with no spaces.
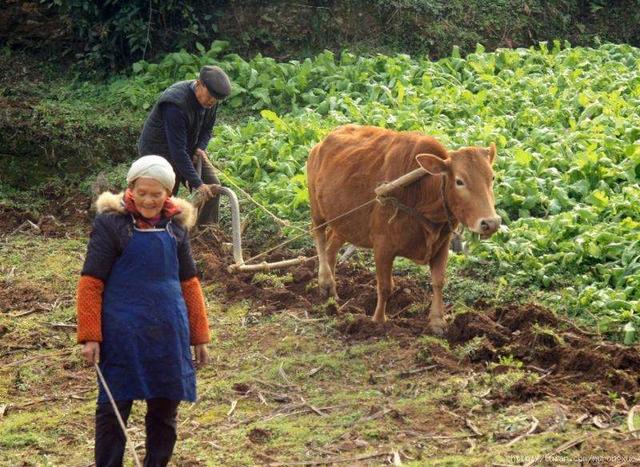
{"x":417,"y":215}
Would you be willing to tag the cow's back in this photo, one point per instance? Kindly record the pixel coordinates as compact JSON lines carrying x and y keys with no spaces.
{"x":345,"y":168}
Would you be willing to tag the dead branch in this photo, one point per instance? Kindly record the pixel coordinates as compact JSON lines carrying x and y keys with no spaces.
{"x":63,"y":326}
{"x":472,"y":427}
{"x":284,"y":375}
{"x":35,"y":357}
{"x":405,"y":373}
{"x":425,"y":435}
{"x":21,"y":227}
{"x":534,"y":426}
{"x":305,"y":320}
{"x":51,"y":398}
{"x":559,"y":449}
{"x":314,"y":371}
{"x":234,"y":403}
{"x":341,"y":307}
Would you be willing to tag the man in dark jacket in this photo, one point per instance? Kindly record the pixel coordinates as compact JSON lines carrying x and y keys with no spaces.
{"x":179,"y":129}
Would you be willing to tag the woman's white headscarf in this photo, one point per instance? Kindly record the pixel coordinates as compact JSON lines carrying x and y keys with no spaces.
{"x":155,"y":167}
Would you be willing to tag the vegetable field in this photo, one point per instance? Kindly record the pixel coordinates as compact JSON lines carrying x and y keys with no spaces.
{"x":566,"y":122}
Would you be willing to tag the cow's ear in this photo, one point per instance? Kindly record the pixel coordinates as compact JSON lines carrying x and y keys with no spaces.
{"x":433,"y":164}
{"x":491,"y":152}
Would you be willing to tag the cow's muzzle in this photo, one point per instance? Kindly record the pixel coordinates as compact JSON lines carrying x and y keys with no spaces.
{"x":489,"y":226}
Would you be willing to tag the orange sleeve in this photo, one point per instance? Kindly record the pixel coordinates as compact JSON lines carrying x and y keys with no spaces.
{"x":89,"y":309}
{"x":198,"y":322}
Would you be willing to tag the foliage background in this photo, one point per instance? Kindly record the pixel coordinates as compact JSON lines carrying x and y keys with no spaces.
{"x":113,"y":34}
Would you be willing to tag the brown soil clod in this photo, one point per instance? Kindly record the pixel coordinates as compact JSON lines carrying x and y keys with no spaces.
{"x":22,"y":297}
{"x":259,"y":436}
{"x":468,"y":325}
{"x":520,"y":318}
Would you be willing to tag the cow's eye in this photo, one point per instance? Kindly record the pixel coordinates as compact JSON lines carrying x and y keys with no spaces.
{"x":459,"y":182}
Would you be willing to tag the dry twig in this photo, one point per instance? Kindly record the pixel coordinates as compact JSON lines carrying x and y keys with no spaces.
{"x":472,"y":427}
{"x":559,"y":449}
{"x":630,"y":424}
{"x":234,"y":403}
{"x":533,"y":428}
{"x":335,"y":460}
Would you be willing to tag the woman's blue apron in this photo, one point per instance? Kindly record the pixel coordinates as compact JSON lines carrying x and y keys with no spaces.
{"x":145,"y":349}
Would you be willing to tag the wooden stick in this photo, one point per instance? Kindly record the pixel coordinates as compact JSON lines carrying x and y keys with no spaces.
{"x":119,"y":417}
{"x":399,"y":182}
{"x":264,"y":266}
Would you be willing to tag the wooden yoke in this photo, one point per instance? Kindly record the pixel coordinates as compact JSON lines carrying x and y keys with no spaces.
{"x":399,"y":182}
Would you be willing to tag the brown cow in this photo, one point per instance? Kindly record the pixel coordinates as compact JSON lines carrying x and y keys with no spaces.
{"x":346,"y":167}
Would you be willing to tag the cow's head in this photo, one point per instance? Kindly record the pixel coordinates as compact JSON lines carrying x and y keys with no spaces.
{"x":469,"y":186}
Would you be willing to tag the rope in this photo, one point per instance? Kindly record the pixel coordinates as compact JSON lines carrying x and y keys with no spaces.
{"x":458,"y":231}
{"x":285,"y":223}
{"x":120,"y":421}
{"x":309,"y":231}
{"x":305,"y":233}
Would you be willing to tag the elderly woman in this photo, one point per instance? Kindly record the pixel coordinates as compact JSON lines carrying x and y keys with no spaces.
{"x":140,"y":306}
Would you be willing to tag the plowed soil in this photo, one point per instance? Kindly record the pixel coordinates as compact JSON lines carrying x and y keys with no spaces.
{"x":562,"y":354}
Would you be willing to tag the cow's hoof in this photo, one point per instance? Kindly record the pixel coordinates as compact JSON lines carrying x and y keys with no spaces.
{"x":438,"y":328}
{"x":379,"y":319}
{"x":326,"y":293}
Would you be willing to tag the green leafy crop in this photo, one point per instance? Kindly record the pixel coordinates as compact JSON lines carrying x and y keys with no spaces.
{"x":565,"y":120}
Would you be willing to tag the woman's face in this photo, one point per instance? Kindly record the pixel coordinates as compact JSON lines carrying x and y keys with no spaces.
{"x":149,"y":196}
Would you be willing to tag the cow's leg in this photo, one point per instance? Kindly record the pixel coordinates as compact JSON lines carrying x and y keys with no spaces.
{"x":326,"y":282}
{"x":334,"y":245}
{"x":438,"y":264}
{"x":384,"y":265}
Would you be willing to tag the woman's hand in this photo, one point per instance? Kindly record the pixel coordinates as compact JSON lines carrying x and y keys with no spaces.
{"x":91,"y":352}
{"x":201,"y":354}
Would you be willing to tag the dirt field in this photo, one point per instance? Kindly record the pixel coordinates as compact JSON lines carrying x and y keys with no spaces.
{"x":295,"y":380}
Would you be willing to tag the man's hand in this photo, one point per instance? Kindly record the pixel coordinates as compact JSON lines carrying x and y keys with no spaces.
{"x":201,"y":354}
{"x":91,"y":352}
{"x":200,"y":153}
{"x":205,"y":192}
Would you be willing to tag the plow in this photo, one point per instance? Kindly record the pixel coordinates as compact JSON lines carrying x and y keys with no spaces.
{"x":382,"y":195}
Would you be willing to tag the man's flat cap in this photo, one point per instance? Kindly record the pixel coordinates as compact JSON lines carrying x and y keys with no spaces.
{"x":216,"y":81}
